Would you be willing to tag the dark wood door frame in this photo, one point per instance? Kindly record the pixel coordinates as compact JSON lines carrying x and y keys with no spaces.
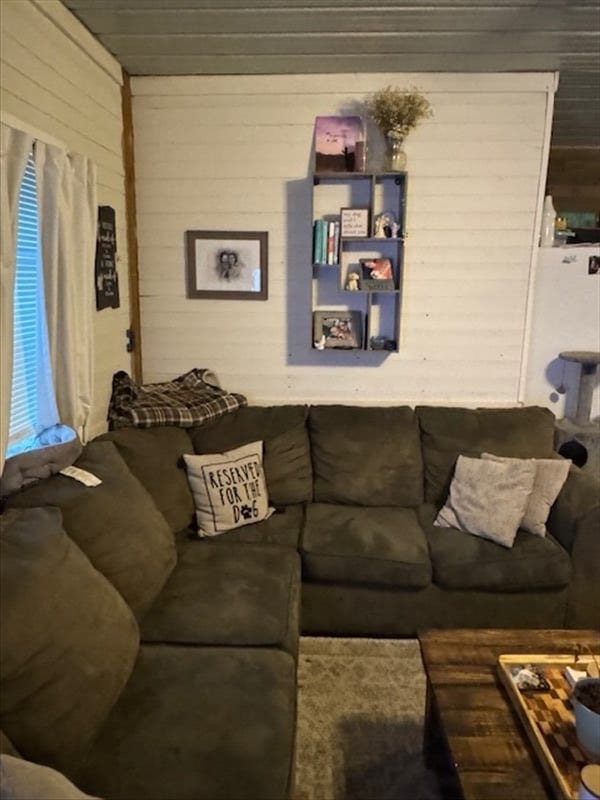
{"x":135,"y":337}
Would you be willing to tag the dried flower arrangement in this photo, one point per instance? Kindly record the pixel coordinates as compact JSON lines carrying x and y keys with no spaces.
{"x":398,"y":111}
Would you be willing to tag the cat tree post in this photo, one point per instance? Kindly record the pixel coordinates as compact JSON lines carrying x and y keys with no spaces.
{"x":581,"y":429}
{"x":587,"y":381}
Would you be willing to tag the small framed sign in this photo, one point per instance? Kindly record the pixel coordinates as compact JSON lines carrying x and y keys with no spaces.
{"x":354,"y":223}
{"x":106,"y":276}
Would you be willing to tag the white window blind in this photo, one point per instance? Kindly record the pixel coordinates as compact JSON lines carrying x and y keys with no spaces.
{"x":33,"y":403}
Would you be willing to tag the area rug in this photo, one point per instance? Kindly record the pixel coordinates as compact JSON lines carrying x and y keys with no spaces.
{"x":360,"y":721}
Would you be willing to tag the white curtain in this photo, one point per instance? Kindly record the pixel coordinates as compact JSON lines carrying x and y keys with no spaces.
{"x":15,"y":147}
{"x":68,"y":214}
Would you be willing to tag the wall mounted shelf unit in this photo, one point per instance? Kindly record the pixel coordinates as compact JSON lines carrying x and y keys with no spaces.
{"x":358,"y":259}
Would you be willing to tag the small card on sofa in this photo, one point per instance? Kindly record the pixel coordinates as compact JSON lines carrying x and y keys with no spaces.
{"x":229,"y":489}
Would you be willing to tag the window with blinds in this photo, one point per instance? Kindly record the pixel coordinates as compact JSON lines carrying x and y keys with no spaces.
{"x":33,"y":403}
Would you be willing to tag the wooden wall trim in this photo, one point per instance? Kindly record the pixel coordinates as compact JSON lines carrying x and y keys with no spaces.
{"x":131,"y":218}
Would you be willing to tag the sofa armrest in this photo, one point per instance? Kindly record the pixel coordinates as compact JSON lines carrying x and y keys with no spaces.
{"x":575,"y":522}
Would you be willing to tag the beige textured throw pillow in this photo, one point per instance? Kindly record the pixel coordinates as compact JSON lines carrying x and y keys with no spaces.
{"x":229,"y":489}
{"x":550,"y":477}
{"x":24,"y":780}
{"x":488,"y":498}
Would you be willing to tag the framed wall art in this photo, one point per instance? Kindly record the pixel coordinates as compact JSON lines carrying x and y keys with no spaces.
{"x":227,"y":265}
{"x":106,"y":277}
{"x":377,"y":274}
{"x":339,"y":144}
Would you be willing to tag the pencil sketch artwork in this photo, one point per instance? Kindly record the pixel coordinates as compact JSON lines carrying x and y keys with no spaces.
{"x":228,"y":265}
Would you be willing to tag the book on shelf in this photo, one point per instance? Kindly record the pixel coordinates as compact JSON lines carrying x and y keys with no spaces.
{"x":336,"y":242}
{"x":326,"y":241}
{"x":318,"y":241}
{"x":331,"y":257}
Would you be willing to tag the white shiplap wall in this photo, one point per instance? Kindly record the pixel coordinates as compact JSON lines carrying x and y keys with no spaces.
{"x":234,"y":153}
{"x":60,"y":82}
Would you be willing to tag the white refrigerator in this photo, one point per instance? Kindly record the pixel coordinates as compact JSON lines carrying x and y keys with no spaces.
{"x":565,"y":316}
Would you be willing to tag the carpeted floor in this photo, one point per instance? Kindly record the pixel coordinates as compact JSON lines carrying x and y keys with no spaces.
{"x":360,"y":721}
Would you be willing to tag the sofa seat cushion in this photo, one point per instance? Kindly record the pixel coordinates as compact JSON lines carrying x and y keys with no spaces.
{"x":116,"y":524}
{"x":199,"y":723}
{"x":353,"y":544}
{"x":283,"y":528}
{"x":463,"y":561}
{"x":448,"y":432}
{"x":246,"y":595}
{"x":154,"y":455}
{"x":68,"y":641}
{"x":287,"y":463}
{"x":366,"y":456}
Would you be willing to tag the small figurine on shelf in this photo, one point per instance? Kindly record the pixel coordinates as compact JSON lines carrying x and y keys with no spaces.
{"x":379,"y":223}
{"x":386,"y":226}
{"x":352,"y":282}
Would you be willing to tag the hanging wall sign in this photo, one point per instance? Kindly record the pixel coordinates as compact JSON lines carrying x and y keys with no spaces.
{"x":107,"y":279}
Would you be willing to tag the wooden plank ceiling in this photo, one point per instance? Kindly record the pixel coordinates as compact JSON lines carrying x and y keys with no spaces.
{"x":195,"y":37}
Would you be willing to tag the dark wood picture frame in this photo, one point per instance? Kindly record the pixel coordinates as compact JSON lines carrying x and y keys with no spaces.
{"x":350,"y":335}
{"x":227,"y":265}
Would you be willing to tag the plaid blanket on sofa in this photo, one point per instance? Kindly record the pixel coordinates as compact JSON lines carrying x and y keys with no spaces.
{"x":190,"y":399}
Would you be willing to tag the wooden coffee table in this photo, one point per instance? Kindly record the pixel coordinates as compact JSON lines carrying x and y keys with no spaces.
{"x":473,"y":737}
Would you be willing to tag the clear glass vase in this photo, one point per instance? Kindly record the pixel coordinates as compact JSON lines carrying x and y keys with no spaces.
{"x":395,"y":156}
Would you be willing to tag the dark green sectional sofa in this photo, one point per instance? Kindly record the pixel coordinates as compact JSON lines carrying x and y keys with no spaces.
{"x":143,"y":662}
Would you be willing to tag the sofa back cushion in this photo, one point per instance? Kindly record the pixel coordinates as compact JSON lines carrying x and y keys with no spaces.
{"x":447,"y":433}
{"x":68,"y":642}
{"x":154,"y":456}
{"x":286,"y":454}
{"x":6,"y":746}
{"x":116,"y":524}
{"x":366,"y":456}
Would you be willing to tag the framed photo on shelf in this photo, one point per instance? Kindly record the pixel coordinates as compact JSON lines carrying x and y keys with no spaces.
{"x":377,"y":274}
{"x":335,"y":329}
{"x":354,"y":223}
{"x":339,"y":144}
{"x":227,"y":265}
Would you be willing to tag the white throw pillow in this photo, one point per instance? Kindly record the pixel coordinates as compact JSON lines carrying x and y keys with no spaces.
{"x":229,"y":489}
{"x":488,"y":498}
{"x":550,"y":477}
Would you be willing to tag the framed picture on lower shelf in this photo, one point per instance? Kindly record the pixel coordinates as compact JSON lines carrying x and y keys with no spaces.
{"x":335,"y":329}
